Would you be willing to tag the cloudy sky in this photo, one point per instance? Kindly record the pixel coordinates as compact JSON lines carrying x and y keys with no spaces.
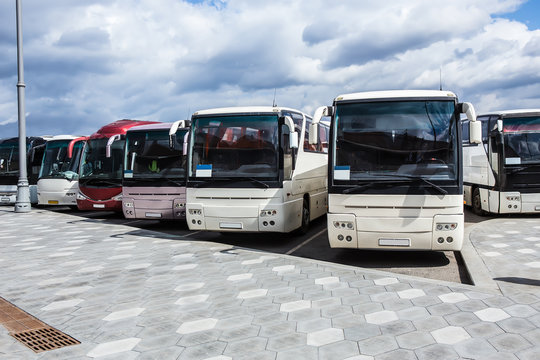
{"x":90,"y":62}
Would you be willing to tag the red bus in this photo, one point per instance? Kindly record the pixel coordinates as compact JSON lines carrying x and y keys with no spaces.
{"x":101,"y":167}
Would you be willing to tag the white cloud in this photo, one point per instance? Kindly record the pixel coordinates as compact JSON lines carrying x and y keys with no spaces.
{"x":90,"y":62}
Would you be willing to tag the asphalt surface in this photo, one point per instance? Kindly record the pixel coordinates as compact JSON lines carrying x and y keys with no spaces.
{"x":439,"y":265}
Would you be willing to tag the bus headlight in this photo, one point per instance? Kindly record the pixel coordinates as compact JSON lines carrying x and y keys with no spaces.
{"x":195,"y":211}
{"x":80,"y":196}
{"x":343,"y":225}
{"x":446,"y":226}
{"x":270,"y":212}
{"x":512,"y":198}
{"x":117,"y":197}
{"x":128,"y":204}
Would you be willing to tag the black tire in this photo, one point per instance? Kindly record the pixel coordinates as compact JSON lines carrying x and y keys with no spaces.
{"x":304,"y":227}
{"x":477,"y":202}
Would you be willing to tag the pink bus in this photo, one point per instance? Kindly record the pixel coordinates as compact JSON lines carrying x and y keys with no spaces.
{"x":154,"y":181}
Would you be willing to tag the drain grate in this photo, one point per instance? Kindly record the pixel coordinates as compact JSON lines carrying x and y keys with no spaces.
{"x":30,"y":331}
{"x":44,"y":339}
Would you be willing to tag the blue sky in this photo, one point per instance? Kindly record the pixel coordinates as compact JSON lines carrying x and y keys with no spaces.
{"x":90,"y":62}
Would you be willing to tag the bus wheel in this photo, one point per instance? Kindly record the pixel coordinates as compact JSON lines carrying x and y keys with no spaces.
{"x":477,"y":202}
{"x":303,"y":229}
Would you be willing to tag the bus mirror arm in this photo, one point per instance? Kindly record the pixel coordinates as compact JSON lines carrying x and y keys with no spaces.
{"x":313,"y":132}
{"x":185,"y":144}
{"x":500,"y":125}
{"x":174,"y":128}
{"x":109,"y":144}
{"x":72,"y":144}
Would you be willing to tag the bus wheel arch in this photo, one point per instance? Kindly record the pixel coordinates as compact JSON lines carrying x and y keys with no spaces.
{"x":305,"y":216}
{"x":477,"y":201}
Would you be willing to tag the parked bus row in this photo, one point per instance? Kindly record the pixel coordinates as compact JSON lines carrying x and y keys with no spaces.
{"x":393,"y":169}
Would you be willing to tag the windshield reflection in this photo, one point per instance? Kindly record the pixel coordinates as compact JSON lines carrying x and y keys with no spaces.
{"x":94,"y":163}
{"x":380,"y":139}
{"x":236,"y":146}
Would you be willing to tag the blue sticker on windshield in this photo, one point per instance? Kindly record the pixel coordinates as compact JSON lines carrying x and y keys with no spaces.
{"x":128,"y":173}
{"x":342,"y":172}
{"x":203,"y":171}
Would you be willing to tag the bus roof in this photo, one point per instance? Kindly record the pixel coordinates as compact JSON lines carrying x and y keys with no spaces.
{"x":118,"y":127}
{"x":61,"y":137}
{"x":158,"y":126}
{"x":396,"y":94}
{"x":246,"y":110}
{"x":513,"y":113}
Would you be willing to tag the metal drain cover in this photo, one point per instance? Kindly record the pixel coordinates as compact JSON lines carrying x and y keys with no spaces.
{"x":44,"y":339}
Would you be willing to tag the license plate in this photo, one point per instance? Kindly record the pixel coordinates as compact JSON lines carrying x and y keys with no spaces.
{"x":394,"y":242}
{"x":4,"y":199}
{"x":99,"y":206}
{"x":53,"y":202}
{"x":153,"y":215}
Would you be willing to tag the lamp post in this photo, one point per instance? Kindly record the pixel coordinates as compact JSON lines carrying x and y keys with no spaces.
{"x":22,"y":203}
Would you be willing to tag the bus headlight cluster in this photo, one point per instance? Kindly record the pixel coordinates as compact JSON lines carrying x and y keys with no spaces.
{"x":512,"y":198}
{"x":80,"y":196}
{"x":268,"y":213}
{"x":195,"y":212}
{"x":117,"y":197}
{"x":180,"y":205}
{"x":446,"y":226}
{"x":128,"y":204}
{"x":343,"y":225}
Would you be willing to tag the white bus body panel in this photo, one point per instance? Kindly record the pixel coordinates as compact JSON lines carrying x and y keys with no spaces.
{"x":57,"y":192}
{"x":409,"y":221}
{"x":218,"y":209}
{"x":8,"y":194}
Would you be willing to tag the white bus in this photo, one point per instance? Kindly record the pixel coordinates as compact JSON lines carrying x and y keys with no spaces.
{"x":252,"y":169}
{"x":58,"y":181}
{"x":502,"y":175}
{"x":394,"y":177}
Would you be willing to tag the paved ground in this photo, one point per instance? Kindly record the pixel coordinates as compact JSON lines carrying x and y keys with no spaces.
{"x":129,"y":294}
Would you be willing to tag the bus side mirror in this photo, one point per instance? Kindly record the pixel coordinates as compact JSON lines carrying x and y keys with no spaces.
{"x":109,"y":144}
{"x":174,"y":128}
{"x":313,"y":133}
{"x":500,"y":125}
{"x":475,"y":131}
{"x":293,"y":135}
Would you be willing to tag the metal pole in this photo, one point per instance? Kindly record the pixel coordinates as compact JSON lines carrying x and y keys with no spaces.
{"x":22,"y":203}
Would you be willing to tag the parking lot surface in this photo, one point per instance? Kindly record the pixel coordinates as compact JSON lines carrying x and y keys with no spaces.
{"x":128,"y":293}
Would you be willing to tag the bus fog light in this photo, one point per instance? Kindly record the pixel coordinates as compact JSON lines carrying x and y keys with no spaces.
{"x":265,"y":223}
{"x":193,"y":221}
{"x":349,"y":238}
{"x":195,"y":211}
{"x":449,"y":239}
{"x":272,"y":223}
{"x":446,"y":226}
{"x":440,"y":240}
{"x":271,"y":212}
{"x":128,"y":204}
{"x":509,"y":206}
{"x":199,"y":222}
{"x":336,"y":224}
{"x":340,"y":237}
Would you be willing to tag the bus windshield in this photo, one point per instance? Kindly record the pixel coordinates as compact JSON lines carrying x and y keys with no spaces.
{"x":95,"y":164}
{"x":9,"y":157}
{"x":148,"y":155}
{"x":235,"y":146}
{"x":395,"y":139}
{"x":521,"y":140}
{"x":55,"y":163}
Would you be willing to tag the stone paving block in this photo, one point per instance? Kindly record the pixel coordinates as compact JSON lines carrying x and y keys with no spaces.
{"x":415,"y":340}
{"x":203,"y":351}
{"x":313,"y":325}
{"x":450,"y":335}
{"x":287,"y":341}
{"x":398,"y":327}
{"x":516,"y":325}
{"x":239,"y":333}
{"x":339,"y":350}
{"x":325,"y":336}
{"x":198,"y":338}
{"x":509,"y":343}
{"x":171,"y":352}
{"x":437,"y":351}
{"x":400,"y":354}
{"x":397,"y":304}
{"x":475,"y":348}
{"x":381,"y":317}
{"x":347,"y":321}
{"x":461,"y":319}
{"x":113,"y":347}
{"x":442,"y":309}
{"x":300,"y":353}
{"x":413,"y":313}
{"x":251,"y":345}
{"x":431,"y":323}
{"x":529,"y":354}
{"x":377,"y":345}
{"x":361,"y":332}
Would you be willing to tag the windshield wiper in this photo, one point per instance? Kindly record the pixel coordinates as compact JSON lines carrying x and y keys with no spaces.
{"x":413,"y":177}
{"x":519,"y":169}
{"x":232,"y":180}
{"x":100,"y":181}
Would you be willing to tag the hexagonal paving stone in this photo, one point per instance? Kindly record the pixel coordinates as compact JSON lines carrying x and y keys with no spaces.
{"x":295,"y":305}
{"x":325,"y":336}
{"x":475,"y":349}
{"x":411,"y":293}
{"x":415,"y":340}
{"x":453,"y":297}
{"x":386,"y":281}
{"x":509,"y":342}
{"x":491,"y":314}
{"x":197,"y":325}
{"x":377,"y":345}
{"x":381,"y":317}
{"x":450,"y":335}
